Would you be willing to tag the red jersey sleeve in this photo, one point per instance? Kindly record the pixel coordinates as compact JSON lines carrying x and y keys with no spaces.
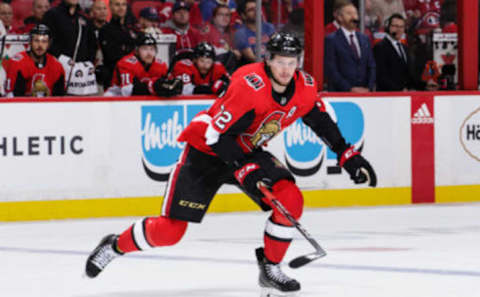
{"x":160,"y":70}
{"x":219,"y":71}
{"x":125,"y":71}
{"x":13,"y":69}
{"x":238,"y":100}
{"x":183,"y":70}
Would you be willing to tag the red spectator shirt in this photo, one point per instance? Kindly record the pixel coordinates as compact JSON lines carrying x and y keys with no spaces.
{"x":429,"y":13}
{"x":165,"y":13}
{"x":221,"y":41}
{"x":129,"y":69}
{"x":196,"y":19}
{"x":331,"y":27}
{"x":25,"y":78}
{"x":185,"y":40}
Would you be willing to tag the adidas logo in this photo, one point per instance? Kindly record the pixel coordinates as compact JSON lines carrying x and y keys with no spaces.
{"x":422,"y":115}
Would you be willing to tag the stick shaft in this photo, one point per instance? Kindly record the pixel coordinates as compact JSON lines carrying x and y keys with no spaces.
{"x":279,"y":206}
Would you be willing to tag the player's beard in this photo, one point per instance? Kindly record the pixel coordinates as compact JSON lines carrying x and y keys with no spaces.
{"x":38,"y":57}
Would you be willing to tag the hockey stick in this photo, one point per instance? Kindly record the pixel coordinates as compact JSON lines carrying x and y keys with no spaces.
{"x":74,"y":58}
{"x":305,"y":259}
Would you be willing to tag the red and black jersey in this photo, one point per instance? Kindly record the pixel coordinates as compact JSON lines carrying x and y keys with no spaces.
{"x":221,"y":41}
{"x":26,"y":78}
{"x":249,"y":115}
{"x":129,"y":70}
{"x":189,"y":74}
{"x":186,"y":40}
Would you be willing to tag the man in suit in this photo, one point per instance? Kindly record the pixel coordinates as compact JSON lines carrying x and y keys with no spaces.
{"x":349,"y":62}
{"x":391,"y":56}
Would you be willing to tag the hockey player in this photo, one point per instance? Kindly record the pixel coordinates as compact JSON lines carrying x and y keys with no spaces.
{"x":141,"y":73}
{"x":224,"y":145}
{"x":35,"y":72}
{"x":202,"y":75}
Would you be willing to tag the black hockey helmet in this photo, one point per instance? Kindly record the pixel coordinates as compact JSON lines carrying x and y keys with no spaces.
{"x":204,"y":49}
{"x":40,"y":29}
{"x":145,"y":39}
{"x":284,"y":44}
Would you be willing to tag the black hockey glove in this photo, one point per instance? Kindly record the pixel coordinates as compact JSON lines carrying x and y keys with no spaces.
{"x":220,"y":86}
{"x":166,"y":87}
{"x":202,"y":89}
{"x":358,"y":168}
{"x":248,"y":175}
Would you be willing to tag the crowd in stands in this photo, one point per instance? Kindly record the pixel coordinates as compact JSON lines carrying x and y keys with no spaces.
{"x":400,"y":35}
{"x":109,"y":44}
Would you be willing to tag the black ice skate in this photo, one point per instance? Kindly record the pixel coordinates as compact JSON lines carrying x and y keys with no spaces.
{"x":103,"y":254}
{"x":272,"y":279}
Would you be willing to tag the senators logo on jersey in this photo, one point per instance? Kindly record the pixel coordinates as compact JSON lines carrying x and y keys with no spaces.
{"x":39,"y":86}
{"x":270,"y":127}
{"x":26,"y":78}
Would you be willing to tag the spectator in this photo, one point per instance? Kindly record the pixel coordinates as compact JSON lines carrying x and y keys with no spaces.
{"x":208,"y":6}
{"x":218,"y":32}
{"x":425,"y":14}
{"x":245,"y":37}
{"x":148,"y":18}
{"x":6,"y":16}
{"x":392,"y":60}
{"x":448,"y":13}
{"x":349,"y":62}
{"x":271,"y":11}
{"x":296,"y":24}
{"x":187,"y":36}
{"x":202,"y":75}
{"x":164,"y":10}
{"x":117,"y":39}
{"x":98,"y":15}
{"x":381,"y":10}
{"x":196,"y":19}
{"x":74,"y":44}
{"x":35,"y":72}
{"x":334,"y":25}
{"x":39,"y":8}
{"x":64,"y":22}
{"x":140,"y":73}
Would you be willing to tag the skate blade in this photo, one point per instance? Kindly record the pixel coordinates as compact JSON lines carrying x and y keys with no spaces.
{"x":270,"y":292}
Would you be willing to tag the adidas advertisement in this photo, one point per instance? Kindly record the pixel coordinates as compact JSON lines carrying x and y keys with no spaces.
{"x":422,"y":115}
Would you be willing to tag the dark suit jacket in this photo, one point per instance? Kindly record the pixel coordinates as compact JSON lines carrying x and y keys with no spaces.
{"x":342,"y":69}
{"x":393,"y":74}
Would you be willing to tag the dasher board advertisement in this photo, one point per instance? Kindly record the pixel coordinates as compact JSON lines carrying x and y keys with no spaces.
{"x":457,"y":140}
{"x":83,"y":150}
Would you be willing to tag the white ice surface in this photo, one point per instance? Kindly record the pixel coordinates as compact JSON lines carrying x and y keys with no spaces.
{"x":414,"y":251}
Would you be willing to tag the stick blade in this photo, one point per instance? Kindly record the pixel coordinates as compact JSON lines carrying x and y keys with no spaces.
{"x":304,"y":260}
